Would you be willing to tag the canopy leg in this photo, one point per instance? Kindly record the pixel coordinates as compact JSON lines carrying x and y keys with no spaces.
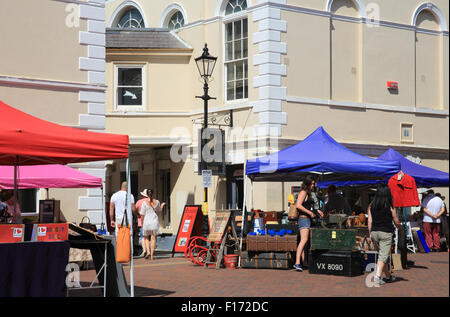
{"x":130,"y":215}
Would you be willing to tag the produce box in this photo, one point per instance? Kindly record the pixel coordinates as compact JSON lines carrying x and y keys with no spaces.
{"x":269,"y":243}
{"x":333,"y":239}
{"x":271,"y":260}
{"x":343,"y":263}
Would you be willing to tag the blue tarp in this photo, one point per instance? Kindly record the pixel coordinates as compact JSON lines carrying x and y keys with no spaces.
{"x":319,"y":153}
{"x":424,"y":176}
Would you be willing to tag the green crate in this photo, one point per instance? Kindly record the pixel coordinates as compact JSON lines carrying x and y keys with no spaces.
{"x":333,"y":239}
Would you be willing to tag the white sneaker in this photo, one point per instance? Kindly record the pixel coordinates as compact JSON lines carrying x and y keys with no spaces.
{"x":378,"y":280}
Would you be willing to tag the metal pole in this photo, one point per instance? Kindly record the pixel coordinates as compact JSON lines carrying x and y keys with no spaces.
{"x":243,"y":214}
{"x":205,"y":126}
{"x":15,"y":184}
{"x":130,"y":215}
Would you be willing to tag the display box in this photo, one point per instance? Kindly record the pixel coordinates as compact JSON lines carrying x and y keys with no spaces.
{"x":343,"y":263}
{"x":50,"y":232}
{"x":12,"y":233}
{"x":49,"y":211}
{"x":269,"y":243}
{"x":334,"y":239}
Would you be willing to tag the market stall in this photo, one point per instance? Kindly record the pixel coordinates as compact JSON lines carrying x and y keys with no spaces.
{"x":405,"y":195}
{"x":50,"y":176}
{"x":318,"y":154}
{"x":27,"y":140}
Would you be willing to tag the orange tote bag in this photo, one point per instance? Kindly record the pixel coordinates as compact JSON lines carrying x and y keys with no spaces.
{"x":123,"y":250}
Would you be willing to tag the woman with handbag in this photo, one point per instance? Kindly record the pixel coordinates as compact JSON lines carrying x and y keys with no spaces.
{"x":304,"y":205}
{"x":150,"y":225}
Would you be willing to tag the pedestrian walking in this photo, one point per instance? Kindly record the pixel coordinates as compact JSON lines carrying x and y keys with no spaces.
{"x":433,"y":208}
{"x":118,"y":206}
{"x":139,"y":223}
{"x":150,"y":225}
{"x":381,"y":214}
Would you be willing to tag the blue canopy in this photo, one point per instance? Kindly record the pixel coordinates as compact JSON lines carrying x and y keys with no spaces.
{"x":318,"y":153}
{"x":424,"y":176}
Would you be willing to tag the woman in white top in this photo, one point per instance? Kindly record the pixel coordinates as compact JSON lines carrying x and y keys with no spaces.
{"x":150,"y":224}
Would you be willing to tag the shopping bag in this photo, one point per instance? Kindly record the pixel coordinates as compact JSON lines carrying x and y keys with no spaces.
{"x":293,"y":212}
{"x":123,"y":242}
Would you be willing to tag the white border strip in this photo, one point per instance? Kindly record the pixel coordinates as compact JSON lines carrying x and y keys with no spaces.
{"x":49,"y":84}
{"x":287,"y":7}
{"x":327,"y":102}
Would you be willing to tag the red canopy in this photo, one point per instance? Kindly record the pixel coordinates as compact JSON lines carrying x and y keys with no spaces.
{"x":27,"y":140}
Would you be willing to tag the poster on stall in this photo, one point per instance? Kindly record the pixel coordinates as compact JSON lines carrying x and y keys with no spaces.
{"x":11,"y":233}
{"x":191,"y":225}
{"x":50,"y":232}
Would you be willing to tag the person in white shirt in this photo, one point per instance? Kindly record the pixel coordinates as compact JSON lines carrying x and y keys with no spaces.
{"x":117,"y":206}
{"x":432,"y":208}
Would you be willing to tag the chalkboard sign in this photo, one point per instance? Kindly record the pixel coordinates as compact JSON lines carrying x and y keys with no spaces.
{"x":219,"y":226}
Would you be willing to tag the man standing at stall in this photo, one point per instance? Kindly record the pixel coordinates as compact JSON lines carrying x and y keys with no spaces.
{"x":118,"y":206}
{"x":433,"y":208}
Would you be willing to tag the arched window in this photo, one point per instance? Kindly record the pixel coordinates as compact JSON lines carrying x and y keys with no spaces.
{"x":236,"y":53}
{"x":176,"y":21}
{"x":346,"y":52}
{"x":235,"y":6}
{"x":429,"y":61}
{"x":131,"y":18}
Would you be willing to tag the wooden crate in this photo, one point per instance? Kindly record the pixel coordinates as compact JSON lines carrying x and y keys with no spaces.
{"x":275,"y":243}
{"x":333,"y":239}
{"x":271,"y":260}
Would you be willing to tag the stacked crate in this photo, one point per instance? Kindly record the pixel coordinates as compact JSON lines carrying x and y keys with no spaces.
{"x":334,"y":252}
{"x":269,"y":252}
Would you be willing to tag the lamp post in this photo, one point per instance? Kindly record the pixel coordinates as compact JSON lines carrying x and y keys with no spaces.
{"x":205,"y":64}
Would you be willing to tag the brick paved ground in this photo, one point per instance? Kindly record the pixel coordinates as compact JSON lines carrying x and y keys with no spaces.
{"x":176,"y":277}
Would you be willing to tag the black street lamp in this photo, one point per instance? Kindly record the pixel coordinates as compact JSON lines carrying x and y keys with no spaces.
{"x":205,"y":64}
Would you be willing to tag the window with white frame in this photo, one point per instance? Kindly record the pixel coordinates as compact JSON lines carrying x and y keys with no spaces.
{"x":130,"y":87}
{"x":131,"y":18}
{"x":407,"y":133}
{"x":176,"y":21}
{"x":236,"y":53}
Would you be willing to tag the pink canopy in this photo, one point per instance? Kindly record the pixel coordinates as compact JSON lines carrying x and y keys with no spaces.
{"x":47,"y":176}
